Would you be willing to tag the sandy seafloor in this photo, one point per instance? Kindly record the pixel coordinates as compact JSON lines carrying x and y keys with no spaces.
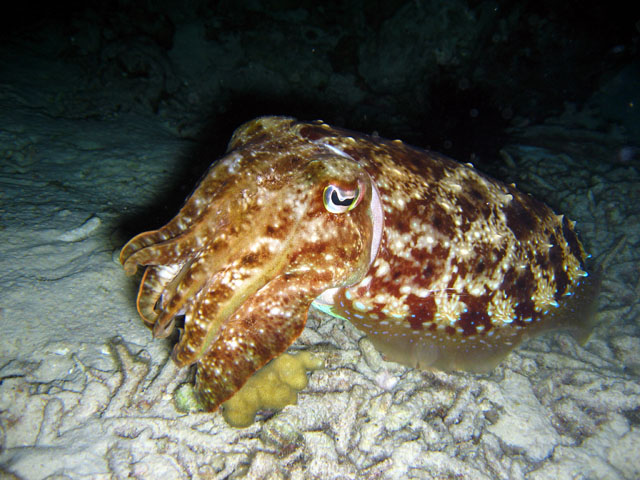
{"x":87,"y":394}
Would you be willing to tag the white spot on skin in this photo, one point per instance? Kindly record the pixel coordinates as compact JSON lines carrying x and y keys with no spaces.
{"x":360,"y":306}
{"x":383,"y":269}
{"x":422,"y":292}
{"x":366,"y":281}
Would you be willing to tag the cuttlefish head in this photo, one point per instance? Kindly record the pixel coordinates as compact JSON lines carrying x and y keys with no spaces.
{"x":277,"y":222}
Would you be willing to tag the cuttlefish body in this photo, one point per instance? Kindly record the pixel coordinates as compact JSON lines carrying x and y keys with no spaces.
{"x":440,"y":265}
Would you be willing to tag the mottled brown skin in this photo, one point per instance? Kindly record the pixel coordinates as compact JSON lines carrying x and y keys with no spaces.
{"x":441,"y":266}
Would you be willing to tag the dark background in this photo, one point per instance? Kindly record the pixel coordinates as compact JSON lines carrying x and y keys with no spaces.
{"x":456,"y":76}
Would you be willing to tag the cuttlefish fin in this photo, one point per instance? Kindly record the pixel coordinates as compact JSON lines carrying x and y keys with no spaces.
{"x":575,"y":314}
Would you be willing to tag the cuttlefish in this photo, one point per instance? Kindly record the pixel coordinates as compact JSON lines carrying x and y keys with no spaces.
{"x":438,"y":264}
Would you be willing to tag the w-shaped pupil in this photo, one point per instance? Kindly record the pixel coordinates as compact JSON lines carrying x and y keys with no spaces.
{"x":343,"y":202}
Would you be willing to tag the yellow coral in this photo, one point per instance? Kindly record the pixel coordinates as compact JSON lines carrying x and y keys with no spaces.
{"x":273,"y":387}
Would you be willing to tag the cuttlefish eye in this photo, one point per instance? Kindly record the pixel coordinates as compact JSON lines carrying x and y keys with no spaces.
{"x":340,"y":200}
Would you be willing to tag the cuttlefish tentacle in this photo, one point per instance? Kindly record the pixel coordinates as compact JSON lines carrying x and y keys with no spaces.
{"x":192,"y":288}
{"x":138,"y":251}
{"x":162,"y":291}
{"x":152,"y":286}
{"x":209,"y":311}
{"x":143,"y":251}
{"x":181,"y":237}
{"x":247,"y":267}
{"x":260,"y":330}
{"x":166,"y":287}
{"x":178,"y":296}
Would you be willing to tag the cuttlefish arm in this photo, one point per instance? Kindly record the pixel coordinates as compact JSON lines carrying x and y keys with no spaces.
{"x":276,"y":222}
{"x":263,"y":328}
